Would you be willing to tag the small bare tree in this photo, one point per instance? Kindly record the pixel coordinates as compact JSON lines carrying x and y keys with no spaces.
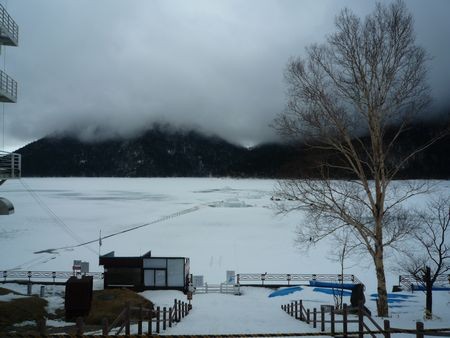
{"x":433,"y":261}
{"x":354,"y":96}
{"x":340,"y":253}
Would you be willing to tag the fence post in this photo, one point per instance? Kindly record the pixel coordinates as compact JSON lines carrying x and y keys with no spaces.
{"x":332,"y":318}
{"x":80,"y":326}
{"x":127,"y":319}
{"x":345,"y":319}
{"x":360,"y":320}
{"x":387,"y":328}
{"x":140,"y":320}
{"x":301,"y":310}
{"x":105,"y":326}
{"x":170,"y":316}
{"x":177,"y":315}
{"x":419,"y":328}
{"x":296,"y":310}
{"x":179,"y":310}
{"x":322,"y":319}
{"x":42,"y":326}
{"x":308,"y":316}
{"x":164,"y":318}
{"x":158,"y":312}
{"x":150,"y":320}
{"x":314,"y":318}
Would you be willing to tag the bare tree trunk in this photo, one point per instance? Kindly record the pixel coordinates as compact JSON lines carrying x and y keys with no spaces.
{"x":382,"y":304}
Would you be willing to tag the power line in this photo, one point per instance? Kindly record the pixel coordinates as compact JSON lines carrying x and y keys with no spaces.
{"x":58,"y":221}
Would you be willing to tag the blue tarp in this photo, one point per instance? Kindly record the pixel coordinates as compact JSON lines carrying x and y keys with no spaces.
{"x":346,"y":286}
{"x":285,"y":291}
{"x":329,"y":291}
{"x":393,"y":298}
{"x":393,"y":295}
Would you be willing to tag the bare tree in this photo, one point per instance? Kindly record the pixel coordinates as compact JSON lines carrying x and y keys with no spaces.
{"x":354,"y":96}
{"x":433,"y":261}
{"x":340,"y":253}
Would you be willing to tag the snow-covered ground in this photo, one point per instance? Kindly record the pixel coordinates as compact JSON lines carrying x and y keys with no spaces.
{"x":220,"y":224}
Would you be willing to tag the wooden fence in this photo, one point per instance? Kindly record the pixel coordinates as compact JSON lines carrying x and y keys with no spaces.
{"x":156,"y":320}
{"x":329,"y":316}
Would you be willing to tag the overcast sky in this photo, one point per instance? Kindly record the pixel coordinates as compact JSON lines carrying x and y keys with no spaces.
{"x":114,"y":67}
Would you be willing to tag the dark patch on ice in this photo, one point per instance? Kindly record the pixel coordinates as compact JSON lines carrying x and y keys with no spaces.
{"x":49,"y":251}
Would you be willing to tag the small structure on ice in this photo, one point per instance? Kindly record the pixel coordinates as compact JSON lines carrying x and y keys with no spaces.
{"x":145,"y":272}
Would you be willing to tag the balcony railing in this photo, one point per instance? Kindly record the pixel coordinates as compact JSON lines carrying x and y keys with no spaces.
{"x":8,"y":88}
{"x":10,"y":165}
{"x":9,"y":30}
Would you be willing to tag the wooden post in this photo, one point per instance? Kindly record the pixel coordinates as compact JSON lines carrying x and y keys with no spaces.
{"x":170,"y":316}
{"x":164,"y":318}
{"x":419,"y":328}
{"x":80,"y":326}
{"x":140,"y":320}
{"x":179,"y":310}
{"x":360,"y":320}
{"x":314,"y":318}
{"x":296,"y":310}
{"x":158,"y":312}
{"x":322,"y":319}
{"x":42,"y":326}
{"x":345,"y":320}
{"x":387,"y":328}
{"x":308,"y":316}
{"x":175,"y":308}
{"x":301,"y":310}
{"x":105,"y":326}
{"x":332,"y":319}
{"x":127,"y":319}
{"x":150,"y":320}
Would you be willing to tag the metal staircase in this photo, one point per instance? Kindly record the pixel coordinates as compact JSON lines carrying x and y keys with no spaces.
{"x":10,"y":163}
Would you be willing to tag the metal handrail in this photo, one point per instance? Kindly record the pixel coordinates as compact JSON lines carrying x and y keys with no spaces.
{"x":407,"y":281}
{"x":23,"y":274}
{"x":10,"y":165}
{"x":278,"y":277}
{"x":8,"y":86}
{"x":8,"y":25}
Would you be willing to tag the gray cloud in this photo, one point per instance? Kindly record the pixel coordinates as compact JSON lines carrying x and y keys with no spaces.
{"x":214,"y":65}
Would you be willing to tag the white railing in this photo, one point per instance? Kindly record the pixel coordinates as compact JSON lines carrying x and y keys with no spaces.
{"x":8,"y":27}
{"x":8,"y":87}
{"x":219,"y":288}
{"x":24,"y":275}
{"x":276,"y":278}
{"x":10,"y":165}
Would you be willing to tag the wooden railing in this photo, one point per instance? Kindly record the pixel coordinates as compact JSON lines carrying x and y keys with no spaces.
{"x":366,"y":325}
{"x":157,"y":319}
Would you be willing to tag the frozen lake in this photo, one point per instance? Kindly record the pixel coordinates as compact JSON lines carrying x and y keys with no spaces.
{"x":220,"y":224}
